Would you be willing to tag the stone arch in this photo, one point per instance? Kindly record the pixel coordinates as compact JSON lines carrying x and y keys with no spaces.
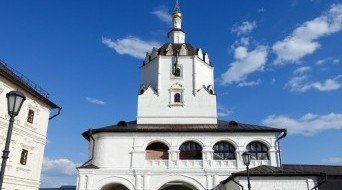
{"x":114,"y":180}
{"x":258,"y":150}
{"x":114,"y":186}
{"x":190,"y":150}
{"x":224,"y":150}
{"x":158,"y":140}
{"x":192,"y":139}
{"x":179,"y":178}
{"x":157,"y":151}
{"x":268,"y":145}
{"x":226,"y":140}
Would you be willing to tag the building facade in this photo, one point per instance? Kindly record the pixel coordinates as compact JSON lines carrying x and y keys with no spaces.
{"x":29,"y":131}
{"x":177,"y":142}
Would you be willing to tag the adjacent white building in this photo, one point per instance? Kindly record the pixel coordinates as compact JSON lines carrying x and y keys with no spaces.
{"x":29,"y":132}
{"x":177,"y":142}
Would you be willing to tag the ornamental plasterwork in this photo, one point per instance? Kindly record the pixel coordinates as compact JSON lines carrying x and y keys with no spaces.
{"x":23,"y":169}
{"x":177,"y":86}
{"x":154,"y":53}
{"x":183,"y":50}
{"x":169,"y":50}
{"x":33,"y":105}
{"x":27,"y":146}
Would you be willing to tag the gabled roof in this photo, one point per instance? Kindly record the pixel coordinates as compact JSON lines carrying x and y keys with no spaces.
{"x":221,"y":126}
{"x":20,"y":80}
{"x":264,"y":170}
{"x":328,"y":169}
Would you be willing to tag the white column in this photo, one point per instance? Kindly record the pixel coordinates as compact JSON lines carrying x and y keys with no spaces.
{"x":209,"y":182}
{"x":138,"y":180}
{"x":146,"y":182}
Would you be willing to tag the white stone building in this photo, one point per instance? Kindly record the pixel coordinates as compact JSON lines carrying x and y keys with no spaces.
{"x":177,"y":142}
{"x":29,"y":131}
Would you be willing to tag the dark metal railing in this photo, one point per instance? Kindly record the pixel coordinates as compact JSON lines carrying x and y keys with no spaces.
{"x":23,"y":79}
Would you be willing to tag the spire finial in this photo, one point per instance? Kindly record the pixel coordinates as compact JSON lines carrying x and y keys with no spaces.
{"x":177,"y":9}
{"x":176,"y":12}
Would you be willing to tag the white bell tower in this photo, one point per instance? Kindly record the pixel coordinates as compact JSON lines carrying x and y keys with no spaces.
{"x":177,"y":83}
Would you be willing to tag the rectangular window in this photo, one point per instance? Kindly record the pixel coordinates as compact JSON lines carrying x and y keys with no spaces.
{"x":23,"y":157}
{"x":30,"y":116}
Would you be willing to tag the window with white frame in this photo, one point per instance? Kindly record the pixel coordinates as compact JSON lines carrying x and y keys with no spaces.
{"x":30,"y":116}
{"x":177,"y":72}
{"x":177,"y":98}
{"x":190,"y":151}
{"x":258,"y":150}
{"x":224,"y":151}
{"x":176,"y":95}
{"x":23,"y":157}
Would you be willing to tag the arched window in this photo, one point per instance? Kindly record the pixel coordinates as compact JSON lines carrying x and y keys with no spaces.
{"x":258,"y":150}
{"x":157,"y":151}
{"x":224,"y":151}
{"x":177,"y":72}
{"x":190,"y":151}
{"x":177,"y":98}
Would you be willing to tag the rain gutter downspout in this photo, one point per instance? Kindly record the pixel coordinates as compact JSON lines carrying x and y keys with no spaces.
{"x":278,"y":139}
{"x":90,"y":132}
{"x":321,"y":182}
{"x":59,"y":112}
{"x":237,"y":183}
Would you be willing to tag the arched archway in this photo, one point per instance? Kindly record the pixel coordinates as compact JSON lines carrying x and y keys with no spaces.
{"x":112,"y":182}
{"x":190,"y":150}
{"x":177,"y":185}
{"x":157,"y":151}
{"x":114,"y":186}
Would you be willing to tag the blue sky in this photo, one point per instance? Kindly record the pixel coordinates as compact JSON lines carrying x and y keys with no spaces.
{"x":276,"y":63}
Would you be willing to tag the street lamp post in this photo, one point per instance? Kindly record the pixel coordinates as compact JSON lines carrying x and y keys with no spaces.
{"x":15,"y":100}
{"x":246,"y":156}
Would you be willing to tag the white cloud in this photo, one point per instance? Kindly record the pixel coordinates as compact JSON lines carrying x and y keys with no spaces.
{"x":328,"y":59}
{"x":222,"y":111}
{"x":95,"y":101}
{"x":59,"y":166}
{"x":303,"y":40}
{"x":240,"y":52}
{"x":249,"y":83}
{"x":57,"y":172}
{"x":301,"y":84}
{"x":308,"y":124}
{"x":327,"y":85}
{"x":333,"y":161}
{"x":162,"y":14}
{"x":302,"y":70}
{"x":246,"y":27}
{"x":245,"y":64}
{"x":131,"y":45}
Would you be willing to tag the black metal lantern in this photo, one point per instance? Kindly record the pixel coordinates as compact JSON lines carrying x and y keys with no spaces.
{"x":246,"y":157}
{"x":15,"y":100}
